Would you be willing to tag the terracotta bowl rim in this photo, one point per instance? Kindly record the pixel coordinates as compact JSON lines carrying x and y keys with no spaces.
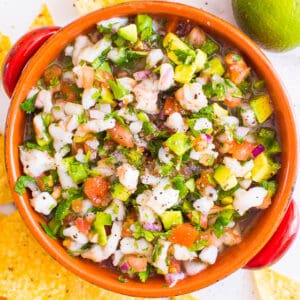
{"x":231,"y":260}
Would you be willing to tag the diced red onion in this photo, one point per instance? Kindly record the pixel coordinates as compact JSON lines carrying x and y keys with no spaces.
{"x":141,"y":75}
{"x":124,"y":266}
{"x":208,"y":137}
{"x":173,"y":278}
{"x":258,"y":150}
{"x":152,"y":227}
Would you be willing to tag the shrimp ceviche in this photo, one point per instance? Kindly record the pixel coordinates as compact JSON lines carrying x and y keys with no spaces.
{"x":147,"y":144}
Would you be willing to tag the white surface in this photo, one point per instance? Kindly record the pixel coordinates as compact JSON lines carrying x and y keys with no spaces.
{"x":16,"y":16}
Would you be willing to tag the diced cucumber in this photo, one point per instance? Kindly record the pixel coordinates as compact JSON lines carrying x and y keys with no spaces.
{"x":171,"y":218}
{"x":261,"y":107}
{"x":128,"y":33}
{"x":264,"y":168}
{"x":187,"y":206}
{"x":179,"y":143}
{"x":117,"y":88}
{"x":191,"y":184}
{"x":101,"y":220}
{"x":144,"y":26}
{"x":225,"y":178}
{"x":120,"y":192}
{"x":210,"y":47}
{"x":77,"y":170}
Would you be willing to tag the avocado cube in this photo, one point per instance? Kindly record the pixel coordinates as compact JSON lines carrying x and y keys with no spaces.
{"x":75,"y":169}
{"x":184,"y":73}
{"x":128,"y":33}
{"x":225,"y":178}
{"x":102,"y":219}
{"x":187,"y":206}
{"x":261,"y":107}
{"x":264,"y":168}
{"x":214,"y":66}
{"x":200,"y":60}
{"x":178,"y":51}
{"x":190,"y":184}
{"x":179,"y":143}
{"x":219,"y":111}
{"x":171,"y":218}
{"x":106,"y":96}
{"x":120,"y":192}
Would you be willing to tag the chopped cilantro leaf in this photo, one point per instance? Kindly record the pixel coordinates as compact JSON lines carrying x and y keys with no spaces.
{"x":29,"y":104}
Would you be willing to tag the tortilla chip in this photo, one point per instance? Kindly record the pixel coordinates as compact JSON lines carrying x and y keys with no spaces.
{"x":275,"y":286}
{"x":85,"y":6}
{"x":1,"y":218}
{"x":28,"y":272}
{"x":5,"y":193}
{"x":44,"y":18}
{"x":5,"y":45}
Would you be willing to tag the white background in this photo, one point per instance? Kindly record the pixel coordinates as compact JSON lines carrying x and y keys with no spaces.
{"x":15,"y":18}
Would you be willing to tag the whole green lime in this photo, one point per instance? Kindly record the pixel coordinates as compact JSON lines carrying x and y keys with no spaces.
{"x":274,"y":24}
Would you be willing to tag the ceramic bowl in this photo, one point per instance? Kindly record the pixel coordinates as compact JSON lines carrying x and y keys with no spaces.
{"x":230,"y":260}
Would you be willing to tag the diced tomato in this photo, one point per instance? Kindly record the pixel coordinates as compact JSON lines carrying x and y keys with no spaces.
{"x":232,"y":101}
{"x":121,"y":135}
{"x":205,"y":180}
{"x":184,"y":234}
{"x":171,"y":106}
{"x":225,"y":147}
{"x":242,"y":151}
{"x":96,"y":189}
{"x":237,"y":69}
{"x":68,"y":91}
{"x":83,"y":225}
{"x":174,"y":266}
{"x":51,"y":73}
{"x":138,"y":264}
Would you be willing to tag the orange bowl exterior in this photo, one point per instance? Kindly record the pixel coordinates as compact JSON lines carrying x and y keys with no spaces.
{"x":253,"y":241}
